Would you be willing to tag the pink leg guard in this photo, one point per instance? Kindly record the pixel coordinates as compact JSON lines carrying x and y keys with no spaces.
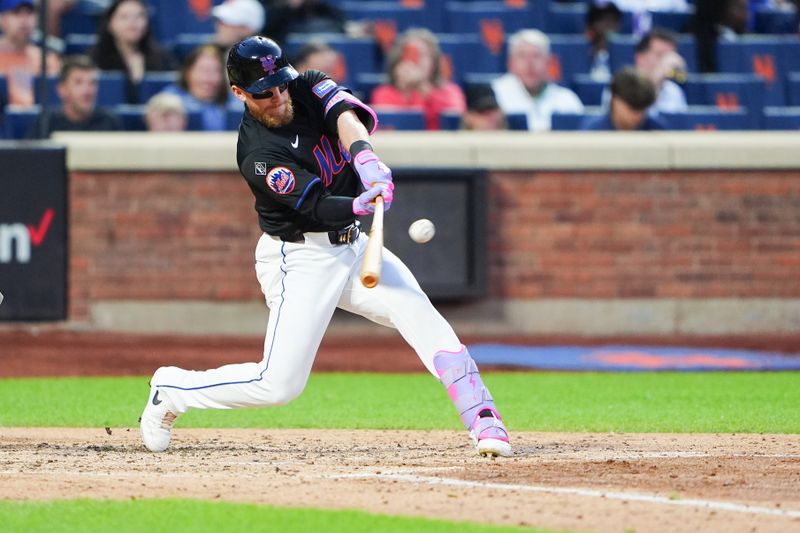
{"x":459,"y":374}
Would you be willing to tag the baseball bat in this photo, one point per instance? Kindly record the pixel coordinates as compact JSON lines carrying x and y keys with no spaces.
{"x":371,"y":265}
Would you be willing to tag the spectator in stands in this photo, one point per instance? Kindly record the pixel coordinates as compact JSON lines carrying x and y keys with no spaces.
{"x":603,"y":19}
{"x":302,"y":16}
{"x":632,"y":94}
{"x":124,"y":42}
{"x":316,"y":55}
{"x":165,"y":112}
{"x":202,"y":87}
{"x":416,"y":80}
{"x":717,"y":20}
{"x":77,"y":89}
{"x":526,"y":88}
{"x":236,"y":19}
{"x":20,"y":59}
{"x":483,"y":112}
{"x":657,"y":58}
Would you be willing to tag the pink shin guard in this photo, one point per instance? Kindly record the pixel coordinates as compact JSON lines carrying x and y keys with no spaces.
{"x":459,"y":375}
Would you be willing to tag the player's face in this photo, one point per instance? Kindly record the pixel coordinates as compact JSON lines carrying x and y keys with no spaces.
{"x":273,"y":112}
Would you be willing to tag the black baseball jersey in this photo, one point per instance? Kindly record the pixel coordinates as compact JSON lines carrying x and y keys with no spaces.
{"x":291,"y":168}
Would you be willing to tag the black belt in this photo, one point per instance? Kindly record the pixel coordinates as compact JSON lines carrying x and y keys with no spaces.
{"x":347,"y":235}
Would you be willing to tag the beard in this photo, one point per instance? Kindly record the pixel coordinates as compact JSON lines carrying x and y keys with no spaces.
{"x":270,"y":119}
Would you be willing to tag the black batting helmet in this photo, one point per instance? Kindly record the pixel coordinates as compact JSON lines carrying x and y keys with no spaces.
{"x":257,"y":63}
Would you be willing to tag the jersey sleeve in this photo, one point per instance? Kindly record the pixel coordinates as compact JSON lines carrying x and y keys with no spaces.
{"x":283,"y":180}
{"x":335,"y":99}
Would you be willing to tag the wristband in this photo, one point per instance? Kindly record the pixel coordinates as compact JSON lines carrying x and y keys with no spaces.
{"x":359,"y":146}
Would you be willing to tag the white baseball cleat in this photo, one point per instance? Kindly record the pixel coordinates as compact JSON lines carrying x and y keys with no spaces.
{"x":490,"y":434}
{"x":158,"y":417}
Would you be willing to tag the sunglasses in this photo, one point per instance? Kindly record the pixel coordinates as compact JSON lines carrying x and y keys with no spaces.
{"x":269,"y":94}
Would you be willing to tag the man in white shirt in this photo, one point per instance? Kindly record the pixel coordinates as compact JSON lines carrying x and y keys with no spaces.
{"x":527,"y":88}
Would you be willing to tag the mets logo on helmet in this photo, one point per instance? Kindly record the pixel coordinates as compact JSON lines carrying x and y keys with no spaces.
{"x":281,"y":180}
{"x":268,"y":64}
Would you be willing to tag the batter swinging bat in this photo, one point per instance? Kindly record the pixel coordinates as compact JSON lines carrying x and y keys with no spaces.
{"x":371,"y":265}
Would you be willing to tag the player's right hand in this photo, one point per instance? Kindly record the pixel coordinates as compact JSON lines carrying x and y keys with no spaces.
{"x":364,"y":204}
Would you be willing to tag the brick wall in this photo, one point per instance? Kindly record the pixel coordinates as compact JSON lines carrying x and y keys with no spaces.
{"x":686,"y":234}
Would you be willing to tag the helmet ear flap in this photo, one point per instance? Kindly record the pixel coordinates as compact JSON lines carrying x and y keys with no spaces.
{"x":258,"y":63}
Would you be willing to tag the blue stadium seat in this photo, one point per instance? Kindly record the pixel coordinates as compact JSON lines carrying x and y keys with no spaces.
{"x":769,"y":57}
{"x":677,"y":21}
{"x":83,"y":18}
{"x":566,"y":18}
{"x":174,"y":17}
{"x":3,"y":90}
{"x":487,"y":18}
{"x":622,"y":48}
{"x":589,"y":90}
{"x":450,"y":121}
{"x":468,"y":54}
{"x":110,"y":89}
{"x":402,"y":17}
{"x":79,"y":43}
{"x":397,"y":119}
{"x":728,"y":92}
{"x":367,"y":82}
{"x":234,"y":118}
{"x":775,"y":22}
{"x":19,"y":120}
{"x":574,"y":121}
{"x":707,"y":118}
{"x":782,"y":118}
{"x":569,"y":55}
{"x":793,"y":88}
{"x":360,"y":54}
{"x":186,"y":42}
{"x":517,"y":121}
{"x":154,"y":82}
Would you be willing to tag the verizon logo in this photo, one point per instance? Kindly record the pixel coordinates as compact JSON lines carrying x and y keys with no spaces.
{"x":16,"y":239}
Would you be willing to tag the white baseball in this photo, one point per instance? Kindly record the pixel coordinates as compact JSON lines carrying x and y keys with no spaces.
{"x":421,"y":230}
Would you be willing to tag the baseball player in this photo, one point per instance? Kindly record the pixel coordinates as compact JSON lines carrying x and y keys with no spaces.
{"x":304,"y":151}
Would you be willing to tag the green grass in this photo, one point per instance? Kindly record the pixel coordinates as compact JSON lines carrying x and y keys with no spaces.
{"x":175,"y":516}
{"x":636,"y":402}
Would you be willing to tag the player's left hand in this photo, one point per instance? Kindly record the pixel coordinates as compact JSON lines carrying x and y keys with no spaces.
{"x":371,"y":170}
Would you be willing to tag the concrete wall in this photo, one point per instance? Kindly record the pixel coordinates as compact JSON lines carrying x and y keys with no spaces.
{"x":595,"y":234}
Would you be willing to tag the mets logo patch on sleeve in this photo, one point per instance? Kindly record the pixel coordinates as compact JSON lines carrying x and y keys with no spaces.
{"x":324,"y":87}
{"x":281,"y":180}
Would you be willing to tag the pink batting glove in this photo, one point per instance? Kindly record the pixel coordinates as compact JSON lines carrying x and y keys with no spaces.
{"x":364,"y":204}
{"x":370,"y":169}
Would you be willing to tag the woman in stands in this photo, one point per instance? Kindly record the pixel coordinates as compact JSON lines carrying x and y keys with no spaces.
{"x":124,"y":42}
{"x":416,"y":80}
{"x":202,"y":87}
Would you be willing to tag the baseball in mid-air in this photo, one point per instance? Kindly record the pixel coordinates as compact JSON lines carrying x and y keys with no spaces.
{"x":421,"y":230}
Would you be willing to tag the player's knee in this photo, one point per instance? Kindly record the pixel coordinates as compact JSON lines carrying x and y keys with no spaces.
{"x":278,"y":392}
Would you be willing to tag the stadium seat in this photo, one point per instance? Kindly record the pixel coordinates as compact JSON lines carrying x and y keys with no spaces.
{"x":728,"y":92}
{"x":154,"y":82}
{"x":402,"y":17}
{"x":360,"y":54}
{"x":234,"y":118}
{"x":707,"y":119}
{"x":677,"y":21}
{"x":83,"y":18}
{"x":769,"y":57}
{"x":399,"y":119}
{"x":367,"y":82}
{"x":567,"y":18}
{"x":782,"y":118}
{"x":589,"y":90}
{"x":773,"y":21}
{"x":517,"y":121}
{"x":450,"y":121}
{"x":175,"y":17}
{"x":186,"y":42}
{"x":79,"y":43}
{"x":110,"y":89}
{"x":574,"y":121}
{"x":569,"y":56}
{"x":3,"y":91}
{"x":793,"y":88}
{"x":493,"y":21}
{"x":622,"y":48}
{"x":18,"y":121}
{"x":469,"y":54}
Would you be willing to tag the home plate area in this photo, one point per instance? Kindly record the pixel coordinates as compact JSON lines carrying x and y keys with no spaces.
{"x":561,"y":481}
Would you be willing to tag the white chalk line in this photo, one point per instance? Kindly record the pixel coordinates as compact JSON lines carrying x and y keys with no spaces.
{"x":627,"y":496}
